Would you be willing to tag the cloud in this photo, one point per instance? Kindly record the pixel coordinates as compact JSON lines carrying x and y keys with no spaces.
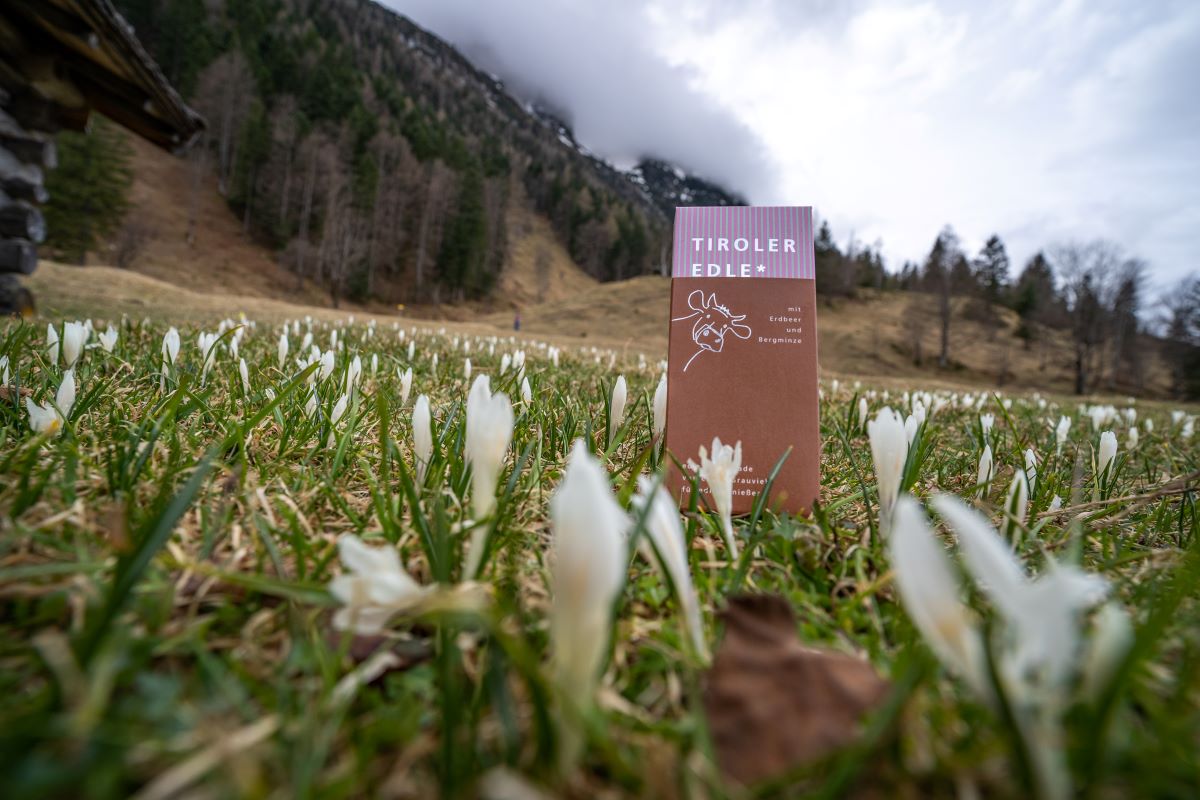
{"x":592,"y":61}
{"x":1040,"y":120}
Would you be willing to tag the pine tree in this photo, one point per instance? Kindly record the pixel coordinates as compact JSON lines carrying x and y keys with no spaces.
{"x":89,"y":190}
{"x":461,"y":261}
{"x":991,"y":269}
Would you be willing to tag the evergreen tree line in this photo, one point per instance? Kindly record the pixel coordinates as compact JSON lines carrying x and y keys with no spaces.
{"x":1090,"y":291}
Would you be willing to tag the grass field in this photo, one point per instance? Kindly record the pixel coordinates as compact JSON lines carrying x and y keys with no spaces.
{"x":176,"y":552}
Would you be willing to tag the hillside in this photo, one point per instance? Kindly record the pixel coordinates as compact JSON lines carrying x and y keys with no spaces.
{"x":870,"y":336}
{"x":220,"y":257}
{"x":369,"y":156}
{"x":848,"y":347}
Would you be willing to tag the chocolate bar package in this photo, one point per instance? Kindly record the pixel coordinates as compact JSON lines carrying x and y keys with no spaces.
{"x":742,"y":353}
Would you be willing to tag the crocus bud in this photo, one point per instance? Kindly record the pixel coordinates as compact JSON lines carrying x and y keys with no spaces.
{"x":660,"y":408}
{"x":1107,"y":453}
{"x":1017,"y":500}
{"x":422,"y":425}
{"x":986,"y":470}
{"x":489,"y":432}
{"x":616,"y":407}
{"x":889,"y":451}
{"x":1031,"y":470}
{"x":986,"y":421}
{"x":718,"y":472}
{"x":664,"y":545}
{"x":1060,"y":433}
{"x":51,"y":345}
{"x":405,"y":386}
{"x":586,"y":574}
{"x":74,"y":336}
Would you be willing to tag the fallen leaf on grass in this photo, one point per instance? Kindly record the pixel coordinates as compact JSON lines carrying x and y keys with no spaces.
{"x":8,"y":393}
{"x":772,"y":703}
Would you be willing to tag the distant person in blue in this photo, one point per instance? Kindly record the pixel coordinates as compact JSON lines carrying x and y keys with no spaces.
{"x":517,"y":322}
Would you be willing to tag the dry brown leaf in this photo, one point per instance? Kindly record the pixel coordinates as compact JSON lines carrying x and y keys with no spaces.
{"x":7,"y":393}
{"x":774,"y":704}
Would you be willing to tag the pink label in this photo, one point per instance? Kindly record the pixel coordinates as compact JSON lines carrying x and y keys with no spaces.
{"x":743,"y":242}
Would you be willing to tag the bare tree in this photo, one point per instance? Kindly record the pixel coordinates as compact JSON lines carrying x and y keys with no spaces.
{"x":1181,"y":330}
{"x":438,"y":192}
{"x":198,"y":168}
{"x":941,"y":265}
{"x":224,"y":96}
{"x":1087,"y":272}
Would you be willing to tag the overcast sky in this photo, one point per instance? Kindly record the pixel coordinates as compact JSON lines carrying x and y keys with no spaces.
{"x":1040,"y":120}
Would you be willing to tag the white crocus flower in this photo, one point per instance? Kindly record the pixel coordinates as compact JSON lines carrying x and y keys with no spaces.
{"x":169,"y":347}
{"x":335,"y":416}
{"x":244,"y":372}
{"x":412,"y":348}
{"x":719,"y":472}
{"x":910,"y":428}
{"x":587,"y":571}
{"x":422,"y":424}
{"x":73,"y":338}
{"x":659,"y":417}
{"x":375,"y":589}
{"x":1107,"y":454}
{"x":488,"y":435}
{"x":931,"y":595}
{"x":1060,"y":433}
{"x":862,"y":411}
{"x":616,"y":406}
{"x":108,"y":339}
{"x":1039,"y":650}
{"x":374,"y":364}
{"x":986,"y":469}
{"x":1055,"y":503}
{"x":47,"y":417}
{"x":467,"y":369}
{"x":208,"y":352}
{"x":281,"y":351}
{"x":1031,"y":469}
{"x":526,"y":392}
{"x":1043,"y":614}
{"x":986,"y":421}
{"x":889,"y":451}
{"x":664,"y":545}
{"x":1149,"y":424}
{"x":1133,"y":438}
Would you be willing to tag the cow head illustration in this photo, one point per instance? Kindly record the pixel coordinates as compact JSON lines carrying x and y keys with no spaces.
{"x":712,"y":323}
